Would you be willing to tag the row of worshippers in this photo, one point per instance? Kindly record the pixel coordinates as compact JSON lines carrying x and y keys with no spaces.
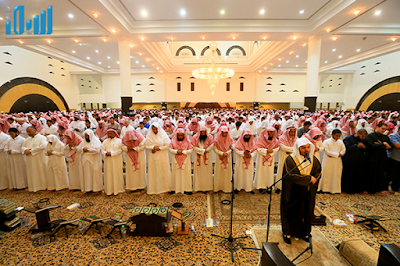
{"x":312,"y":135}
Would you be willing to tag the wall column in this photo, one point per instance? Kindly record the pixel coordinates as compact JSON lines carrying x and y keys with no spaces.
{"x":125,"y":75}
{"x":312,"y":88}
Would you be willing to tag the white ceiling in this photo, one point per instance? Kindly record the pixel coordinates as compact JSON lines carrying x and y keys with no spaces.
{"x":370,"y":31}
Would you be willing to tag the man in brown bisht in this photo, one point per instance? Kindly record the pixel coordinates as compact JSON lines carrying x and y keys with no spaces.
{"x":298,"y":191}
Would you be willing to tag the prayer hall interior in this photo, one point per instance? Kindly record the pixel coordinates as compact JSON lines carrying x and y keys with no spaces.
{"x":158,"y":132}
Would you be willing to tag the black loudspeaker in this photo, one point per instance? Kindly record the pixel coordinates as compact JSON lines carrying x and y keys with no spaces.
{"x":273,"y":256}
{"x":164,"y":106}
{"x":389,"y":255}
{"x":256,"y":105}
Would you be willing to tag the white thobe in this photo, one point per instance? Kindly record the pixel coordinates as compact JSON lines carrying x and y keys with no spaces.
{"x":282,"y":158}
{"x":113,"y":176}
{"x":124,"y":129}
{"x":222,"y":176}
{"x":36,"y":162}
{"x":143,"y":131}
{"x":75,"y":172}
{"x":332,"y":166}
{"x":56,"y":175}
{"x":51,"y":130}
{"x":91,"y":167}
{"x":264,"y":173}
{"x":78,"y":127}
{"x":158,"y":170}
{"x":321,"y":149}
{"x":17,"y":177}
{"x":4,"y":177}
{"x":22,"y":129}
{"x":135,"y":179}
{"x":203,"y":174}
{"x":181,"y":179}
{"x":244,"y":177}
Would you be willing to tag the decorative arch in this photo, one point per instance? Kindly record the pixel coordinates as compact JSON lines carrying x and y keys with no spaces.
{"x":13,"y":90}
{"x":185,"y":47}
{"x":236,"y":47}
{"x":208,"y":47}
{"x":385,"y":87}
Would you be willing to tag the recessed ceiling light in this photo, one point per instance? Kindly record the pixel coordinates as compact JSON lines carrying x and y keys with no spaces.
{"x":80,"y":44}
{"x":144,"y":13}
{"x":197,"y":57}
{"x":117,"y":62}
{"x":334,"y":38}
{"x":326,"y":62}
{"x":104,"y":39}
{"x":304,"y":44}
{"x":137,"y":62}
{"x":294,"y":37}
{"x":356,"y":12}
{"x":290,"y":52}
{"x":297,"y":56}
{"x":108,"y":57}
{"x":333,"y":50}
{"x":142,"y":38}
{"x":140,"y":53}
{"x":131,"y":57}
{"x":87,"y":57}
{"x":158,"y":68}
{"x":279,"y":59}
{"x":21,"y":42}
{"x":172,"y":38}
{"x":97,"y":51}
{"x":154,"y":64}
{"x":234,"y":37}
{"x":222,"y":12}
{"x":183,"y":12}
{"x":279,"y":65}
{"x":203,"y":37}
{"x":113,"y":31}
{"x":394,"y":39}
{"x":377,"y":13}
{"x":99,"y":63}
{"x":161,"y":71}
{"x":108,"y":66}
{"x":301,"y":12}
{"x":287,"y":61}
{"x":271,"y":64}
{"x":95,"y":15}
{"x":265,"y":37}
{"x":73,"y":52}
{"x":340,"y":56}
{"x":49,"y":41}
{"x":147,"y":60}
{"x":142,"y":65}
{"x":297,"y":65}
{"x":328,"y":30}
{"x":70,"y":15}
{"x":358,"y":50}
{"x":259,"y":71}
{"x":131,"y":45}
{"x":262,"y":11}
{"x":76,"y":40}
{"x":265,"y":67}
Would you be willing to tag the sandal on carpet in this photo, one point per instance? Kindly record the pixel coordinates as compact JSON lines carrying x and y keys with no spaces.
{"x":287,"y":239}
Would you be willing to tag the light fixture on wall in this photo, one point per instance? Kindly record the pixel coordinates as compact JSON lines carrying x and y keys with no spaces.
{"x":212,"y":70}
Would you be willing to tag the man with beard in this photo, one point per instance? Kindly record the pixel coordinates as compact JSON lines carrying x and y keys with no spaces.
{"x":267,"y":146}
{"x":36,"y":161}
{"x":135,"y":161}
{"x":377,"y":161}
{"x":245,"y":149}
{"x":158,"y":173}
{"x":354,"y":170}
{"x":181,"y":148}
{"x":17,"y":178}
{"x":223,"y":165}
{"x":113,"y":176}
{"x":89,"y":149}
{"x":72,"y":140}
{"x":286,"y":142}
{"x":298,"y":191}
{"x":203,"y":169}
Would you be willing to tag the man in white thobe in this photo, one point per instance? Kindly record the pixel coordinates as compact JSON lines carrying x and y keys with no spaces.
{"x":77,"y":126}
{"x":4,"y":178}
{"x":286,"y":143}
{"x":158,"y":170}
{"x":36,"y":161}
{"x":181,"y":148}
{"x":51,"y":129}
{"x":332,"y":165}
{"x":56,"y":175}
{"x":133,"y":145}
{"x":142,"y":130}
{"x":126,"y":127}
{"x":267,"y":146}
{"x":17,"y":178}
{"x":113,"y":176}
{"x":91,"y":162}
{"x":22,"y":127}
{"x":203,"y":168}
{"x":245,"y":149}
{"x":223,"y":166}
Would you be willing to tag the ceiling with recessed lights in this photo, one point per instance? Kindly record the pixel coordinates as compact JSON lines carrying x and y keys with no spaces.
{"x":173,"y":35}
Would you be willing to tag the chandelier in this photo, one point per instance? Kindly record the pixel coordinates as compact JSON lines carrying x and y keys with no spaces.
{"x":212,"y":70}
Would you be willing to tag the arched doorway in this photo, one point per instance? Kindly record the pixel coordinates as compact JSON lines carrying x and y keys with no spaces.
{"x":388,"y":102}
{"x":33,"y":102}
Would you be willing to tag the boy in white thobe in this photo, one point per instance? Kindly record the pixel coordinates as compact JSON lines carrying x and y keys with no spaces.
{"x":332,"y":165}
{"x":181,"y":148}
{"x":36,"y":161}
{"x":203,"y":169}
{"x":113,"y":176}
{"x":17,"y":177}
{"x":91,"y":162}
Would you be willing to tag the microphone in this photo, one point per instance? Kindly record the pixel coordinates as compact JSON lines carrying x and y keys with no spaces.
{"x":308,"y":157}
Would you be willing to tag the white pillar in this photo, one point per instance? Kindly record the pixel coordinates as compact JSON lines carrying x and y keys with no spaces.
{"x":125,"y":74}
{"x":314,"y":55}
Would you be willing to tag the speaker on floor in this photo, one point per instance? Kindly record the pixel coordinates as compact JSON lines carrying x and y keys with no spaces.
{"x":389,"y":255}
{"x":273,"y":256}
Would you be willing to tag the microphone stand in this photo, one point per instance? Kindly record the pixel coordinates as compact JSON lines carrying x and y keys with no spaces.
{"x":230,"y":238}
